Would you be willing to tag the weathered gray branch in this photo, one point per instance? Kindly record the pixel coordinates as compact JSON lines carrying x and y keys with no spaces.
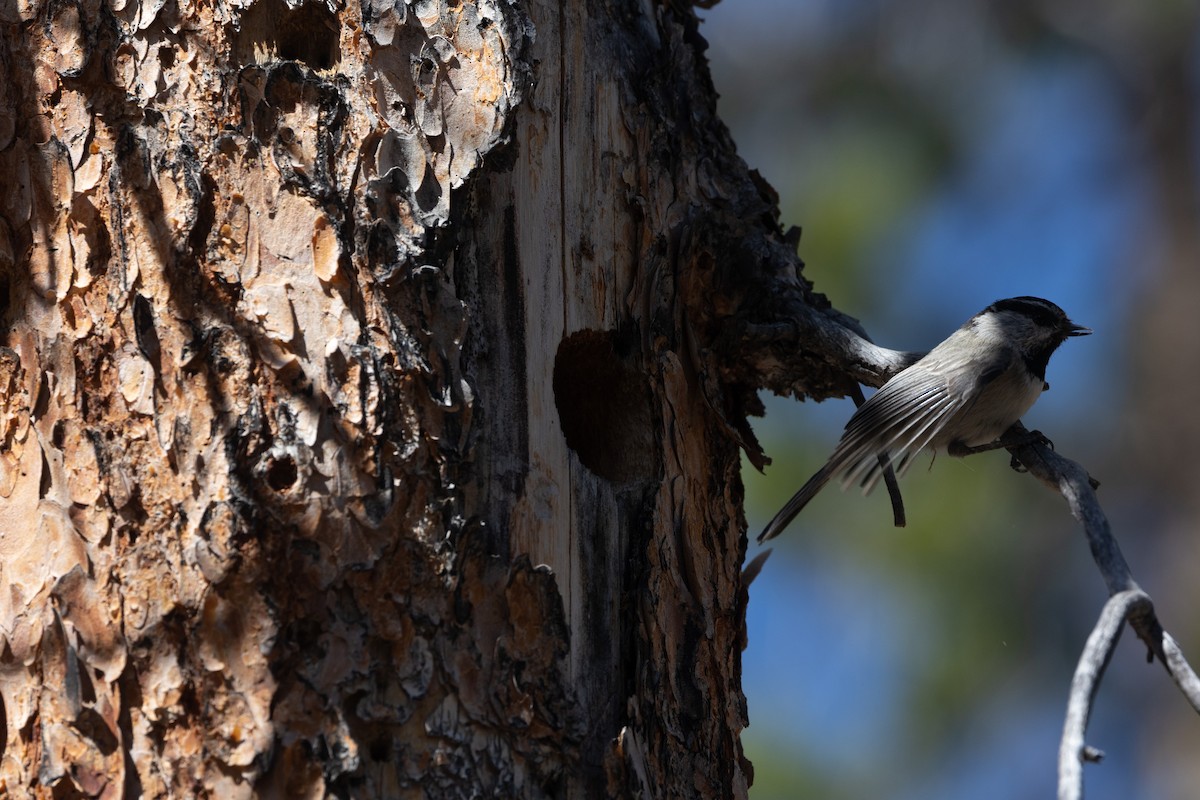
{"x":1073,"y":483}
{"x":1072,"y":750}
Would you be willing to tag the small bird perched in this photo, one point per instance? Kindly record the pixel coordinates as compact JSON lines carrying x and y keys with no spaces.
{"x":963,"y":394}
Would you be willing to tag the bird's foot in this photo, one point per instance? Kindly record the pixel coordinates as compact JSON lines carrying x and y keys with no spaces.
{"x":960,"y":450}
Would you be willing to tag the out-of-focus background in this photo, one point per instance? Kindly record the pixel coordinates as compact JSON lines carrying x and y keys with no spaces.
{"x":939,"y":155}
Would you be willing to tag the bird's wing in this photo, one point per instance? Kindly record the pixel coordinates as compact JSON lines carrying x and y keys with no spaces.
{"x":898,"y":421}
{"x":904,"y":416}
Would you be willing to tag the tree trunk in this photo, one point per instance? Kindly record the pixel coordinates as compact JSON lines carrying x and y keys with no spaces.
{"x":372,"y":403}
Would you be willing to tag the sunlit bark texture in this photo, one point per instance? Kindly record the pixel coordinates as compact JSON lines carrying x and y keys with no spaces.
{"x":370,"y":412}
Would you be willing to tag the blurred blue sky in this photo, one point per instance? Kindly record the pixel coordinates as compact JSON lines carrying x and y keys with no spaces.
{"x":1032,"y":181}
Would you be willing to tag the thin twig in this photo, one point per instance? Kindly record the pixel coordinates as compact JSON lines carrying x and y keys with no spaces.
{"x":1075,"y":485}
{"x":1127,"y":602}
{"x":1092,"y":663}
{"x":1161,"y":644}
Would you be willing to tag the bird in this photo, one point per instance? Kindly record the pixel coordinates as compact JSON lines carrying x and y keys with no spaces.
{"x":958,"y":398}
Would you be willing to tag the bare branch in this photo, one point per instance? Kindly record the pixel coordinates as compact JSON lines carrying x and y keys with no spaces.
{"x":1075,"y":485}
{"x":804,"y":351}
{"x":1127,"y":602}
{"x":1180,"y":670}
{"x":1072,"y":750}
{"x":1161,"y":644}
{"x":1077,"y":488}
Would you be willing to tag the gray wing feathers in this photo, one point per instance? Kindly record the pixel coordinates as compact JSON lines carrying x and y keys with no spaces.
{"x":877,"y":427}
{"x":901,"y":419}
{"x":908,"y":440}
{"x":857,"y":455}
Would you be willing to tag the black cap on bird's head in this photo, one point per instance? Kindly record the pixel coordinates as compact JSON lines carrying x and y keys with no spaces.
{"x":1042,"y":313}
{"x":1036,"y":326}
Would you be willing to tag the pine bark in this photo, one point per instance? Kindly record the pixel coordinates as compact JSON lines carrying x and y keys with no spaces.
{"x":373,"y":384}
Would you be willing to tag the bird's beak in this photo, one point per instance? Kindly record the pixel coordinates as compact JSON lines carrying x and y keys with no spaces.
{"x":1077,"y":330}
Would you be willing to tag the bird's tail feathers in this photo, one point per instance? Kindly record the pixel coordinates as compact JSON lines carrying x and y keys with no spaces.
{"x":799,"y":500}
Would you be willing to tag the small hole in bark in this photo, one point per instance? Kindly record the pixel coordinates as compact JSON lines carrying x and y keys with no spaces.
{"x":380,"y":749}
{"x":282,"y":473}
{"x":603,"y":402}
{"x":271,"y":30}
